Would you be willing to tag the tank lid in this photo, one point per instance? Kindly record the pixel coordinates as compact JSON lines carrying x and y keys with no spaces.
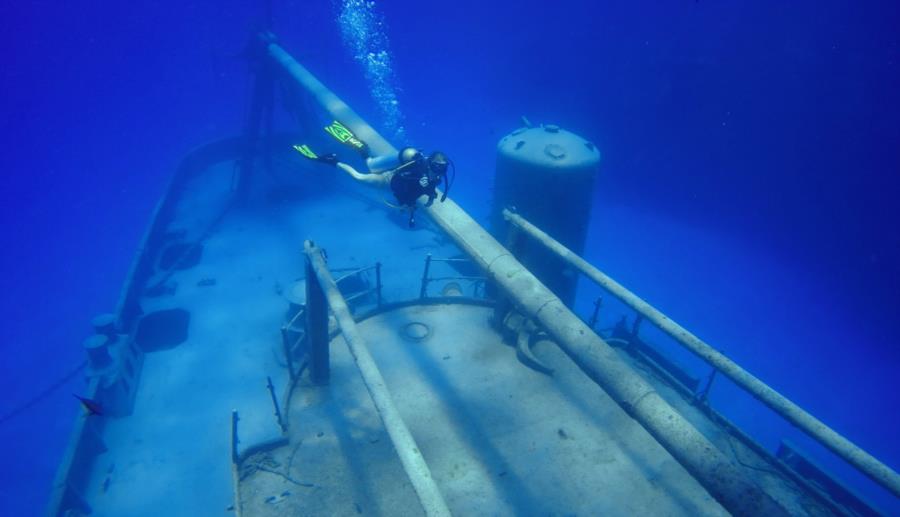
{"x":549,"y":145}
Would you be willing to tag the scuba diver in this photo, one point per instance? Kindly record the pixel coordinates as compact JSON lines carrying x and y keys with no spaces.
{"x":416,"y":176}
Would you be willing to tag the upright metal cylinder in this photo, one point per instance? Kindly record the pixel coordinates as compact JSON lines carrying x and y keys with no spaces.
{"x":547,"y":174}
{"x":97,"y":348}
{"x":105,"y":324}
{"x":317,"y":328}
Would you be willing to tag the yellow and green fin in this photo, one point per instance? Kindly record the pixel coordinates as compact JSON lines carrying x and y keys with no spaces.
{"x":345,"y":136}
{"x":306,"y":151}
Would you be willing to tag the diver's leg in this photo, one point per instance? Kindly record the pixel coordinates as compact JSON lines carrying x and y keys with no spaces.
{"x":376,"y":180}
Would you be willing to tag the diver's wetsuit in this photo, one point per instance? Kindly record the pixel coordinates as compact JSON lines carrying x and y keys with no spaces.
{"x":407,"y":184}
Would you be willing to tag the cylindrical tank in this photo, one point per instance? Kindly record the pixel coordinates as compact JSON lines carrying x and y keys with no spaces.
{"x":547,"y":175}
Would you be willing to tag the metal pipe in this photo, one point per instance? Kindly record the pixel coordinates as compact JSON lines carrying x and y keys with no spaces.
{"x":410,"y":456}
{"x":721,"y":477}
{"x":866,"y":463}
{"x":380,"y":148}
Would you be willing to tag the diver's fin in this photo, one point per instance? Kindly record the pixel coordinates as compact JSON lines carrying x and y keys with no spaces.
{"x":343,"y":135}
{"x":306,"y":151}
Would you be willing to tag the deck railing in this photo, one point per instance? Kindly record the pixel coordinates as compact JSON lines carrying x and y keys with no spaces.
{"x":477,"y":281}
{"x":854,"y":455}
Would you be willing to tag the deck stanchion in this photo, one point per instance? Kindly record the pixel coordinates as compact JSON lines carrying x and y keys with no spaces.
{"x":234,"y":436}
{"x":235,"y":474}
{"x":410,"y":456}
{"x":596,"y":314}
{"x":286,"y":345}
{"x":271,"y":388}
{"x":316,"y":326}
{"x":424,"y":287}
{"x":636,"y":326}
{"x":850,"y":452}
{"x":703,"y":394}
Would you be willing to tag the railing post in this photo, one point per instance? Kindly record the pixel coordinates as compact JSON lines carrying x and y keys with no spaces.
{"x":636,"y":326}
{"x":281,"y":422}
{"x":597,"y":304}
{"x":234,"y":436}
{"x":316,"y":327}
{"x":703,"y":394}
{"x":235,"y":471}
{"x":286,"y":345}
{"x":424,"y":286}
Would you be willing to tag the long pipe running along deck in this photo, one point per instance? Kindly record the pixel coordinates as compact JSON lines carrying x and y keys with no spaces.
{"x":865,"y":462}
{"x":410,"y":456}
{"x":713,"y":469}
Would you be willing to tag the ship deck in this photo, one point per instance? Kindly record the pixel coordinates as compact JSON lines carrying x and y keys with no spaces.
{"x":500,"y":437}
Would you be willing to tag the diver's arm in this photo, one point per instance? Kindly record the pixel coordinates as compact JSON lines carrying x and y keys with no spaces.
{"x":371,"y":179}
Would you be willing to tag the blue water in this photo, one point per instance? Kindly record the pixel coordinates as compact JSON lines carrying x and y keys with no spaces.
{"x":748,"y":185}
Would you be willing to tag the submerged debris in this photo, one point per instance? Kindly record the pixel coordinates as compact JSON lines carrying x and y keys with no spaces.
{"x":266,"y":463}
{"x":206,"y":282}
{"x":277,"y":499}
